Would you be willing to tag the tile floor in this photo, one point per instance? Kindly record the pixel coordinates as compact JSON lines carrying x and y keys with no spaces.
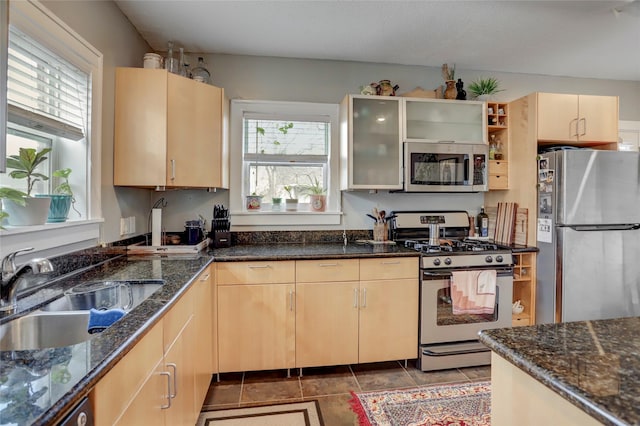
{"x":329,"y":385}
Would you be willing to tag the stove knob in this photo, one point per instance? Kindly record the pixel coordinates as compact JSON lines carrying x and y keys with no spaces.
{"x":436,"y":261}
{"x":447,"y":261}
{"x":499,"y":259}
{"x":488,"y":259}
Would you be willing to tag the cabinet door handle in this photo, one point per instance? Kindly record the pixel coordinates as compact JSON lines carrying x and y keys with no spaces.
{"x":584,"y":127}
{"x":166,"y":373}
{"x":175,"y":381}
{"x":291,"y":300}
{"x":571,"y":127}
{"x":364,"y":297}
{"x":206,"y":277}
{"x":391,"y":263}
{"x":355,"y":298}
{"x":173,"y":169}
{"x":326,"y":265}
{"x":259,"y":266}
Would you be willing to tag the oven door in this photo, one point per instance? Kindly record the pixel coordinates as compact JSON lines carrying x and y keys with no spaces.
{"x":445,"y":167}
{"x":438,"y":324}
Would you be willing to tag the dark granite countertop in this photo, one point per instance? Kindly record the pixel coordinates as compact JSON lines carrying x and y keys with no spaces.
{"x":595,"y":365}
{"x":293,"y":251}
{"x":40,"y":386}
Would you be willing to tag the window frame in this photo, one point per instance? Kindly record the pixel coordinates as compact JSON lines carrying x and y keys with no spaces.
{"x":38,"y":22}
{"x":282,"y":111}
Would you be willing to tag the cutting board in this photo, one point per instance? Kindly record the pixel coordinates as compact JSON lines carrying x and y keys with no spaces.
{"x":522,"y":221}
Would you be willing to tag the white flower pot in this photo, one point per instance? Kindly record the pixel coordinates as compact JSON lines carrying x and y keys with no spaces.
{"x":34,"y":212}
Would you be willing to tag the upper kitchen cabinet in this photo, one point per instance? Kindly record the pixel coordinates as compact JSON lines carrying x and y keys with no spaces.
{"x":442,"y":120}
{"x":578,"y":119}
{"x":170,"y":131}
{"x":371,"y":142}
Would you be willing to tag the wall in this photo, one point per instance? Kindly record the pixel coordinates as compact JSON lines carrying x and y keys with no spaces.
{"x":103,"y":25}
{"x":270,"y":78}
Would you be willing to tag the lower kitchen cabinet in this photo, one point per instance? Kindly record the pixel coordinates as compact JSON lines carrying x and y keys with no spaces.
{"x":388,"y":309}
{"x":256,"y":315}
{"x":524,"y":288}
{"x":159,"y":382}
{"x":205,"y":357}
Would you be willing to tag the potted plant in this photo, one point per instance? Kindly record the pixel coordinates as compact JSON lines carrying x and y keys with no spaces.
{"x":34,"y":210}
{"x":12,"y":195}
{"x":62,"y":198}
{"x":483,"y":88}
{"x":292,"y":201}
{"x":317,"y":197}
{"x":276,"y":203}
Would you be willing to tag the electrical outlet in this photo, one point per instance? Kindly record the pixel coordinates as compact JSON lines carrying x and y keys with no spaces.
{"x":123,"y":226}
{"x":132,"y":224}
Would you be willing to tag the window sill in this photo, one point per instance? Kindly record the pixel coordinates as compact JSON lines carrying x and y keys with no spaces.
{"x":51,"y":239}
{"x":286,"y":218}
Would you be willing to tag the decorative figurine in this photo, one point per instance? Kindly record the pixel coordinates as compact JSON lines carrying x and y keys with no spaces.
{"x":462,"y":94}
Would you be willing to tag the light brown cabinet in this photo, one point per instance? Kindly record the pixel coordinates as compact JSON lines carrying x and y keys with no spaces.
{"x":158,"y":381}
{"x":256,"y":315}
{"x":583,"y":119}
{"x":327,"y":311}
{"x":498,"y":128}
{"x":524,"y":288}
{"x":170,"y":131}
{"x":369,"y":316}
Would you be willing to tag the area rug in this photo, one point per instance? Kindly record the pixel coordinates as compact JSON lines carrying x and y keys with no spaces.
{"x":464,"y":404}
{"x":293,"y":414}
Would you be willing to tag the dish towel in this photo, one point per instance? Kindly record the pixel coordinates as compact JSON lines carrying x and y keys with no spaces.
{"x":473,"y":292}
{"x":100,"y":320}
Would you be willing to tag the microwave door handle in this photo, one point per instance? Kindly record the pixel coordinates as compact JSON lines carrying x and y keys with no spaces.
{"x":466,"y":169}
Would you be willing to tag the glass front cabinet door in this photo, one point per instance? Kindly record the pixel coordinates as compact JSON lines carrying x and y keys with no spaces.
{"x":371,"y":142}
{"x":443,"y":120}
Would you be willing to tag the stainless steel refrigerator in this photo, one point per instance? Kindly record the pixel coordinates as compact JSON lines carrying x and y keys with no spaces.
{"x":588,"y":235}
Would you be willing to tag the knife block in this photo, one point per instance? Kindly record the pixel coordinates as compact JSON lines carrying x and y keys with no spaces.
{"x":221,"y":239}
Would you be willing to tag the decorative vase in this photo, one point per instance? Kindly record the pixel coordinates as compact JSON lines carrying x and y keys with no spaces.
{"x":450,"y":92}
{"x":292,"y":204}
{"x":59,"y":208}
{"x":34,"y":212}
{"x":254,"y":202}
{"x":318,"y":202}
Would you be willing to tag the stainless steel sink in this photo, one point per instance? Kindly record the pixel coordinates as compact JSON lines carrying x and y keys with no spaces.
{"x":123,"y":294}
{"x":41,"y":330}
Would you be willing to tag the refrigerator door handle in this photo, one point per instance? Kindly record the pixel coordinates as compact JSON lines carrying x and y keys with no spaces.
{"x":622,"y":227}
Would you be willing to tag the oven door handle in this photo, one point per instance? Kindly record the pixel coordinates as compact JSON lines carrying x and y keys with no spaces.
{"x":437,"y":274}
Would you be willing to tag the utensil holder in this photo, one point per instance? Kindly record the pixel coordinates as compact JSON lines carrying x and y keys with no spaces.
{"x":380,"y":232}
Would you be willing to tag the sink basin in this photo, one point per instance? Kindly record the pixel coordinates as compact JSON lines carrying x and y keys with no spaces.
{"x":122,"y":294}
{"x":41,"y":330}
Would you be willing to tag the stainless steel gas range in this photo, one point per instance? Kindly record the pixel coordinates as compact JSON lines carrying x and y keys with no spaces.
{"x":450,"y":319}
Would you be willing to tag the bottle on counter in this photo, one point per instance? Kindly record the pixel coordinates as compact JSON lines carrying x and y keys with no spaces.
{"x":200,"y":72}
{"x":492,"y":148}
{"x":483,"y":223}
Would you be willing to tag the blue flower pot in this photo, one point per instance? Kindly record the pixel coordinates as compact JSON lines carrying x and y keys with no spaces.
{"x":59,"y":208}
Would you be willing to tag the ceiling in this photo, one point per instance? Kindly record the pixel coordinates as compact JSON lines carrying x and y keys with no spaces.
{"x":593,"y":39}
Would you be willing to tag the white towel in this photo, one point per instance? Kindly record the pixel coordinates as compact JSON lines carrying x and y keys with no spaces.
{"x":473,"y":292}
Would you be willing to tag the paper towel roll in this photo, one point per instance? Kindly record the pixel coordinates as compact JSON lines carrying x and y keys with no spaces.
{"x":156,"y":227}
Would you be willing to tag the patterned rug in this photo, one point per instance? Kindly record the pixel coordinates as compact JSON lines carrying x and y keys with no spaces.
{"x":293,"y":414}
{"x":463,"y":404}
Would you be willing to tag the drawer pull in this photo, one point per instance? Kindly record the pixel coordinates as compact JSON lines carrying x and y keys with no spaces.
{"x":355,"y":298}
{"x":206,"y":277}
{"x":291,"y":300}
{"x":364,"y":297}
{"x":397,"y":262}
{"x":175,"y":382}
{"x":166,"y":373}
{"x":325,"y":265}
{"x":259,"y":266}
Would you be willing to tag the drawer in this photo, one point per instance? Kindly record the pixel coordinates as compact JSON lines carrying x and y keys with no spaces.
{"x":313,"y":271}
{"x":263,"y":272}
{"x":498,"y":167}
{"x":498,"y":182}
{"x":385,"y":268}
{"x":176,"y":318}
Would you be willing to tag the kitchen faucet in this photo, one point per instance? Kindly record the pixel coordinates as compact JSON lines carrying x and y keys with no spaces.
{"x":11,"y":275}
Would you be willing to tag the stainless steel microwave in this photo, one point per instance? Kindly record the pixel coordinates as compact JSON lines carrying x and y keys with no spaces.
{"x":445,"y":167}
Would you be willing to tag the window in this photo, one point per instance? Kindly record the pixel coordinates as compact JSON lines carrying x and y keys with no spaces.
{"x":54,"y":92}
{"x":280,"y":149}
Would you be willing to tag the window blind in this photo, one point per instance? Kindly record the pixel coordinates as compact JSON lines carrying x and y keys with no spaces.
{"x":44,"y":91}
